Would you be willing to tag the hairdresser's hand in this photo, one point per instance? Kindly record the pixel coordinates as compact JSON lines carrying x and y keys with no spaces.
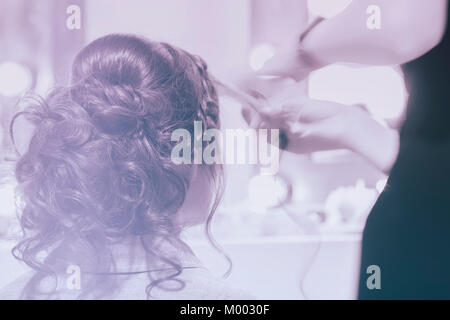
{"x":294,"y":63}
{"x":312,"y":125}
{"x":287,"y":65}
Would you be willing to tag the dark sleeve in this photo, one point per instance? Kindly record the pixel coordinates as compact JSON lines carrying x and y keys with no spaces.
{"x":407,"y":233}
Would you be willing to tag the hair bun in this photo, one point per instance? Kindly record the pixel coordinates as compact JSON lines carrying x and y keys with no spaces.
{"x":115,"y":120}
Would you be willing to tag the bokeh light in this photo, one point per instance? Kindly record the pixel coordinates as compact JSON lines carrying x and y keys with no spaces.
{"x":265,"y":192}
{"x":381,"y":184}
{"x":260,"y":55}
{"x":327,"y":8}
{"x":14,"y":79}
{"x":349,"y":204}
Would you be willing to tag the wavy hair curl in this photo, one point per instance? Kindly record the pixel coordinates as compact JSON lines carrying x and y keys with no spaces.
{"x":98,"y":167}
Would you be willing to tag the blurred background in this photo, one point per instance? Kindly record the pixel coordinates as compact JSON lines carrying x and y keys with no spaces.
{"x":300,"y":230}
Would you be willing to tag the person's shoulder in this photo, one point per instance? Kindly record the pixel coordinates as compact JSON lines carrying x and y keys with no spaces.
{"x":14,"y":289}
{"x":201,"y":284}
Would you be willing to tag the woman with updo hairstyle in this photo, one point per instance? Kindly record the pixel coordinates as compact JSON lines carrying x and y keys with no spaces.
{"x":101,"y":197}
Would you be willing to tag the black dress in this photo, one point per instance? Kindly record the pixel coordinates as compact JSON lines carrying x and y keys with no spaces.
{"x":407,"y":233}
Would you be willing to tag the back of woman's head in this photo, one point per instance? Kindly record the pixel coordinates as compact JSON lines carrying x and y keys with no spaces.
{"x":98,"y":168}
